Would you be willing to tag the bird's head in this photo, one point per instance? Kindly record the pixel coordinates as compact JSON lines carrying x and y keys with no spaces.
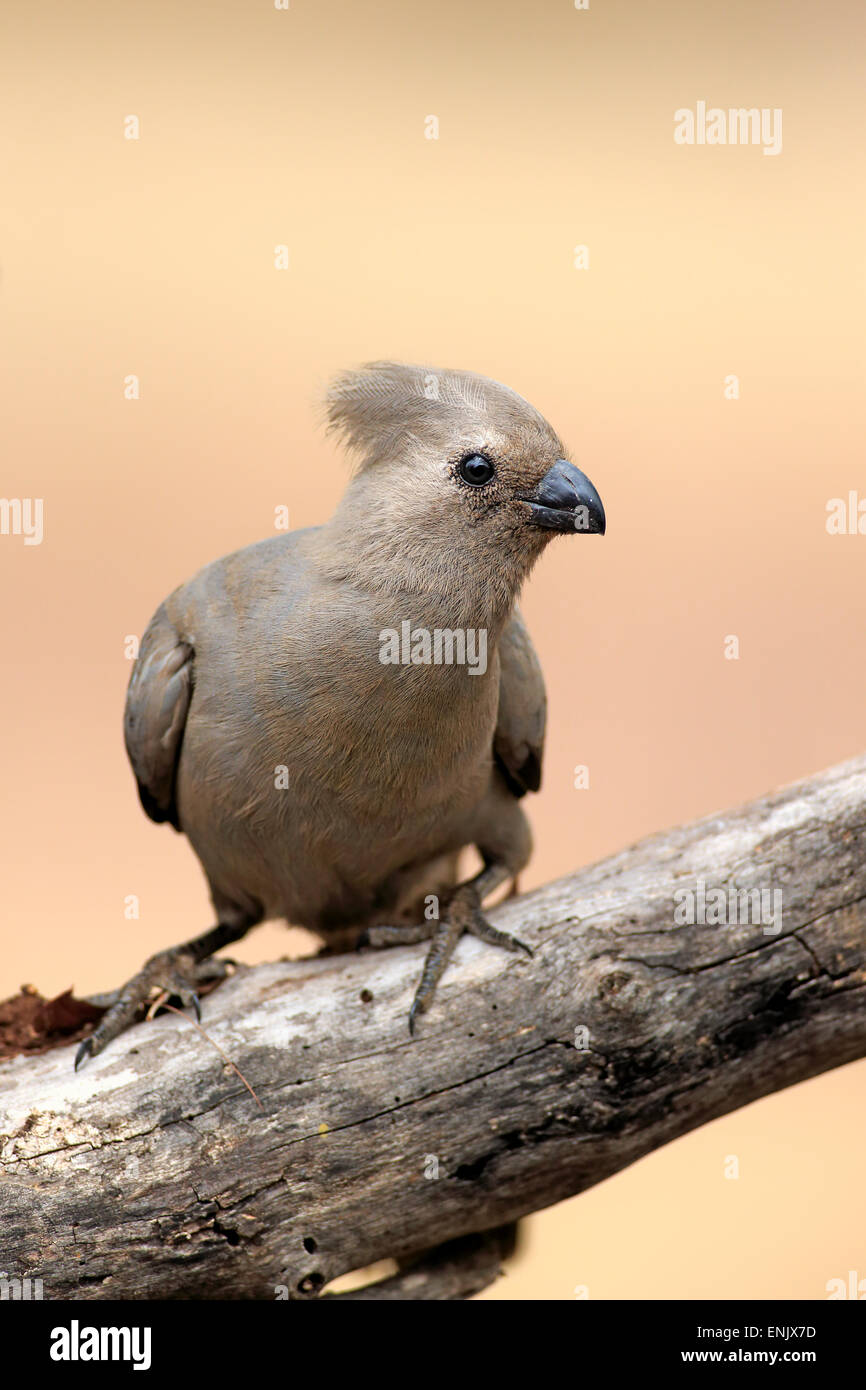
{"x":458,"y":475}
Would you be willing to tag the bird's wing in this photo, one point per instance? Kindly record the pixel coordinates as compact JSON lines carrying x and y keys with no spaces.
{"x":156,"y":707}
{"x":518,"y":743}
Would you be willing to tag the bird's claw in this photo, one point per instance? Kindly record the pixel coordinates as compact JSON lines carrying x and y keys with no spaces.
{"x":466,"y":917}
{"x":171,"y":974}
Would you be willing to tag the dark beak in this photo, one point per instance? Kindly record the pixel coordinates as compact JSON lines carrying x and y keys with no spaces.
{"x":565,"y":500}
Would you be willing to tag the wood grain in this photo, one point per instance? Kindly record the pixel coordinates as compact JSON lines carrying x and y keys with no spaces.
{"x":152,"y":1173}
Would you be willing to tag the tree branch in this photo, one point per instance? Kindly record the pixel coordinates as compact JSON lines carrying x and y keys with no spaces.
{"x":152,"y":1173}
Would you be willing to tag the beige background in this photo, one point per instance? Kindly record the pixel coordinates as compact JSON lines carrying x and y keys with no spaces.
{"x":155,"y":257}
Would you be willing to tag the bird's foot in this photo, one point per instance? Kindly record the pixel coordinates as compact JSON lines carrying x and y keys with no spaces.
{"x":463,"y":915}
{"x":173,"y":974}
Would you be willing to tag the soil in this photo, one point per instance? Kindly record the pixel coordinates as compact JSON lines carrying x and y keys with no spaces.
{"x":29,"y":1023}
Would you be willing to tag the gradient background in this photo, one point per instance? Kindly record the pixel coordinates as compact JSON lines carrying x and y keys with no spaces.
{"x":155,"y":257}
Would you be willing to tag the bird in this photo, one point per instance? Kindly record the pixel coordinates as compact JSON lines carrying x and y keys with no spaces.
{"x":331,"y":715}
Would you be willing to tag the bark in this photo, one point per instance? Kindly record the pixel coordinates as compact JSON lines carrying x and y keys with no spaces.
{"x":153,"y":1172}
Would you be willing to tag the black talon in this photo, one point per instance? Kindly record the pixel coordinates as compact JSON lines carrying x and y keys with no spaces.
{"x":172,"y":974}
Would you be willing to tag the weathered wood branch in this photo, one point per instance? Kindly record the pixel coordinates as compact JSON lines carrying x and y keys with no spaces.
{"x":152,"y":1173}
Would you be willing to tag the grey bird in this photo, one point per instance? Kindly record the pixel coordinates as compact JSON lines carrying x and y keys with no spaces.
{"x":331,"y":715}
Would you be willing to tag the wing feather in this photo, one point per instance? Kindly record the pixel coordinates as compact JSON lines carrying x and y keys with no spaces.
{"x":518,"y":743}
{"x":157,"y":702}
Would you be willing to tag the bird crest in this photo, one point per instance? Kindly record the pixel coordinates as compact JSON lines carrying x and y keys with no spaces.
{"x":376,"y":409}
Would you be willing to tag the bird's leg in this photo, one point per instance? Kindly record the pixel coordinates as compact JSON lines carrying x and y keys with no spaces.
{"x":463,"y":915}
{"x":177,"y":971}
{"x":448,"y":933}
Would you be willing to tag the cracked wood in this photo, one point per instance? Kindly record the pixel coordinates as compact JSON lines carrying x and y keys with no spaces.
{"x":152,"y":1173}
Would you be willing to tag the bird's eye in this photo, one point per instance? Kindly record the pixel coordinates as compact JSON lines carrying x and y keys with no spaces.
{"x":476,"y":469}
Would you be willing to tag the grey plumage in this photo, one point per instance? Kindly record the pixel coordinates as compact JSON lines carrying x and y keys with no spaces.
{"x":271,"y":658}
